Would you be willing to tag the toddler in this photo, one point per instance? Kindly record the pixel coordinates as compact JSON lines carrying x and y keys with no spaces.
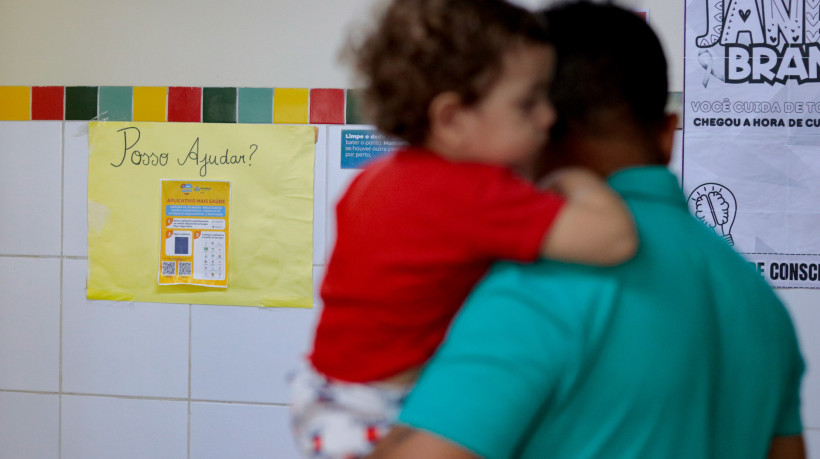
{"x":464,"y":83}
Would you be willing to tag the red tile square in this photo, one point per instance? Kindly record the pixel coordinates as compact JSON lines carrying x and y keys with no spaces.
{"x":185,"y":104}
{"x":327,"y":106}
{"x":47,"y":102}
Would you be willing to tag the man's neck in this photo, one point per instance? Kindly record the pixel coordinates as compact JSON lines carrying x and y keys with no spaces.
{"x":606,"y":156}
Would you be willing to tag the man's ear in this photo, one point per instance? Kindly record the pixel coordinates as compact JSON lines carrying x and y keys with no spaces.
{"x":445,"y":120}
{"x":667,"y":136}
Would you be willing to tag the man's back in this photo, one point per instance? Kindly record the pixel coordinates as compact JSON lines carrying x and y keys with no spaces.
{"x":682,"y":352}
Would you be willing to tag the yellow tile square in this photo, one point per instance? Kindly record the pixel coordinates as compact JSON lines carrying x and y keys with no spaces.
{"x":150,"y":103}
{"x":15,"y":103}
{"x":290,"y":105}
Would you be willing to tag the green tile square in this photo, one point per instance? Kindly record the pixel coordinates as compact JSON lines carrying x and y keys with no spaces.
{"x":80,"y":103}
{"x":116,"y":103}
{"x":256,"y":105}
{"x":353,"y":107}
{"x":219,"y":105}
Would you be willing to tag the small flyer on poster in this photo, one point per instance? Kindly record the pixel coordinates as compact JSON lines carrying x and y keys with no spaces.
{"x":360,"y":146}
{"x":194,"y":233}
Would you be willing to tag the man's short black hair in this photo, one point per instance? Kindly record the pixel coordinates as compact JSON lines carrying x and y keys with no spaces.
{"x":609,"y":64}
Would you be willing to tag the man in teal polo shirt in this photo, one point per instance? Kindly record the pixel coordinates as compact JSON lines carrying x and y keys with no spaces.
{"x":682,"y":352}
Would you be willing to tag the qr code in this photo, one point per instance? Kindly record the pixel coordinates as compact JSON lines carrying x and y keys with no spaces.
{"x":185,"y":268}
{"x":169,"y":268}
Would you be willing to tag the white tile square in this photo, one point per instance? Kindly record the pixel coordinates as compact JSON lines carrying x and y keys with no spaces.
{"x":108,"y":427}
{"x":338,"y":179}
{"x":812,"y":439}
{"x":803,"y":306}
{"x":30,"y":324}
{"x":30,"y":187}
{"x":318,"y":277}
{"x":29,"y":425}
{"x":75,"y":189}
{"x":676,"y":160}
{"x":243,"y":354}
{"x":320,"y":197}
{"x":220,"y":431}
{"x":122,"y":348}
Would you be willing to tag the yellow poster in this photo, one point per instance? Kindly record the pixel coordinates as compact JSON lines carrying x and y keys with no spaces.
{"x":194,"y":233}
{"x":268,"y":214}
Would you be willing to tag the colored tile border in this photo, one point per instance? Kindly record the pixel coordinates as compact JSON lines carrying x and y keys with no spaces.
{"x":219,"y":105}
{"x":116,"y":103}
{"x":353,"y":110}
{"x":185,"y":104}
{"x":15,"y":103}
{"x":290,"y":105}
{"x":47,"y":103}
{"x":327,"y":106}
{"x":81,"y":103}
{"x":256,"y":105}
{"x":150,"y":103}
{"x":182,"y":104}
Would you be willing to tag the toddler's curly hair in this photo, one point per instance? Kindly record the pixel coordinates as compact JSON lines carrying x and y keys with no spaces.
{"x":419,"y":49}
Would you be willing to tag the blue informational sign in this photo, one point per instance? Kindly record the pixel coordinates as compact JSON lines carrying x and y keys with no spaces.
{"x":360,"y":146}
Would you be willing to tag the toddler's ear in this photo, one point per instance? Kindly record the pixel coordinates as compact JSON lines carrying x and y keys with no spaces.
{"x":445,"y":120}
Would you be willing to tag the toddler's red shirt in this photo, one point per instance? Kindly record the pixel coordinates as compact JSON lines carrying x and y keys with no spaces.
{"x":415,"y":233}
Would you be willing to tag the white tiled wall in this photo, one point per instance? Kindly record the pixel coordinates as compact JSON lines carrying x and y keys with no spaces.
{"x":119,"y":348}
{"x":30,"y":324}
{"x":86,"y":379}
{"x":30,"y":188}
{"x":812,"y":437}
{"x":804,"y":307}
{"x":29,"y":425}
{"x":75,"y":189}
{"x":239,"y":431}
{"x":97,"y":427}
{"x":255,"y":346}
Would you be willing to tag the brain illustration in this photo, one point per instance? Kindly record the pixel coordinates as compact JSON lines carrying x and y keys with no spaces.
{"x":713,"y":209}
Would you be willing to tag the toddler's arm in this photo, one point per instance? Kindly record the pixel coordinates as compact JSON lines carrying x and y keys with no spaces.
{"x":595,"y":227}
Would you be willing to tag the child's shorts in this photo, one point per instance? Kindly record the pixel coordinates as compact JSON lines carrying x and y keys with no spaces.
{"x":338,"y":420}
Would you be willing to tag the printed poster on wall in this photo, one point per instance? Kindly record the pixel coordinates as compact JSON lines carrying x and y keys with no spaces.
{"x":194,"y":233}
{"x":263,"y":231}
{"x":751,"y":147}
{"x":360,"y":146}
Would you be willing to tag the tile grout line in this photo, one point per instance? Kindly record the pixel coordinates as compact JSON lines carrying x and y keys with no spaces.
{"x":326,"y":197}
{"x":52,"y":257}
{"x":190,"y":348}
{"x":33,"y":392}
{"x":141,"y":397}
{"x":62,"y":270}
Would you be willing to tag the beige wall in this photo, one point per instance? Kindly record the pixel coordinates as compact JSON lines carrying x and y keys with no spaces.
{"x":255,"y":43}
